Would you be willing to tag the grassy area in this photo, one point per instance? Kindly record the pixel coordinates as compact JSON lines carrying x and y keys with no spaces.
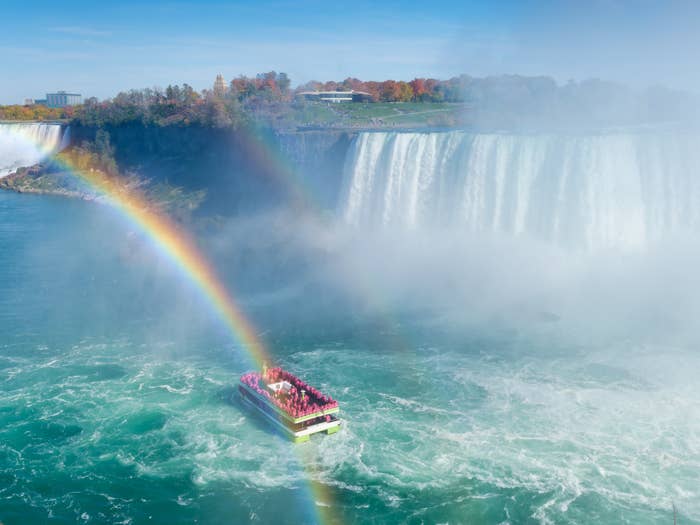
{"x":386,"y":109}
{"x":312,"y":115}
{"x":379,"y":114}
{"x":406,"y":113}
{"x":375,"y":115}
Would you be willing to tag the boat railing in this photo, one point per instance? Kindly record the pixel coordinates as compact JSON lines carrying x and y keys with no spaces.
{"x":299,"y":400}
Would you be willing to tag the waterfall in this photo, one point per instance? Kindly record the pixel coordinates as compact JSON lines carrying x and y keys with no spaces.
{"x":24,"y":145}
{"x":599,"y":189}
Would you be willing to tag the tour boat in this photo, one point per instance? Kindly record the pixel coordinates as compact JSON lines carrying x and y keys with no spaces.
{"x":289,"y":403}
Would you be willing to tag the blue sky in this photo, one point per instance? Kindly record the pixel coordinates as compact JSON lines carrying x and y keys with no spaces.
{"x":99,"y":48}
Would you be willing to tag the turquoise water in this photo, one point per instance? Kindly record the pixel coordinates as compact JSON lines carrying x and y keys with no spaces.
{"x":117,"y":404}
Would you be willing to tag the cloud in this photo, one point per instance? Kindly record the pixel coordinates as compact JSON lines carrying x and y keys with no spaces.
{"x":80,"y":31}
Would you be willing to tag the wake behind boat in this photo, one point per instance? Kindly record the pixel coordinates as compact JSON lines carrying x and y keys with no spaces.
{"x":289,"y":403}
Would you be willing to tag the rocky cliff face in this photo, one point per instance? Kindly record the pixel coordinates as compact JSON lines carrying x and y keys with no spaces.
{"x":241,"y":170}
{"x":318,"y":158}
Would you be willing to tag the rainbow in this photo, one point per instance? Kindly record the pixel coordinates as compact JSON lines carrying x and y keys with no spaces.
{"x":181,"y":250}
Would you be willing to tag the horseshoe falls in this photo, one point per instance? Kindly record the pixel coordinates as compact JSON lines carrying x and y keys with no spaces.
{"x":23,"y":145}
{"x":493,"y":365}
{"x":598,"y":190}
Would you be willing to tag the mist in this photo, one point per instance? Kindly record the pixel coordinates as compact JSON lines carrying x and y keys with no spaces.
{"x":637,"y":44}
{"x":314,"y":275}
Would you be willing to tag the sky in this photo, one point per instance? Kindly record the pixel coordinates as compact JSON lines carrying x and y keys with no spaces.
{"x":98,"y":48}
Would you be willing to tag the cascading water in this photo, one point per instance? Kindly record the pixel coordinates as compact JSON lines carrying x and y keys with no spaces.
{"x":617,"y":189}
{"x":23,"y":145}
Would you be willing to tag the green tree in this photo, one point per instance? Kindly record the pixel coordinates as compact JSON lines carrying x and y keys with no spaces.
{"x":105,"y":151}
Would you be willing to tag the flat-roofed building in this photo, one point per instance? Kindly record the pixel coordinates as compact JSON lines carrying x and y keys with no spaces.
{"x":61,"y":99}
{"x":336,"y":96}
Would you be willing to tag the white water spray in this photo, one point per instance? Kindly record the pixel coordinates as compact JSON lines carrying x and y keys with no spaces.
{"x":23,"y":145}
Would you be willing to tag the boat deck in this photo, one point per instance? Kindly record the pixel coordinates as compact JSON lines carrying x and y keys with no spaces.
{"x":293,"y":406}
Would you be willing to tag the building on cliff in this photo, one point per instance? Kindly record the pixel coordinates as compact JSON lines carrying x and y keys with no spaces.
{"x":61,"y":99}
{"x":336,"y":96}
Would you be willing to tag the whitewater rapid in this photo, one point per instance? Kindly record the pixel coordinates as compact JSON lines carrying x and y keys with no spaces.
{"x":616,"y":189}
{"x":23,"y":145}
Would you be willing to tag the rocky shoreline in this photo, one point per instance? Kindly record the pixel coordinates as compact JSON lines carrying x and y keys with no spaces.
{"x":43,"y":180}
{"x":35,"y":180}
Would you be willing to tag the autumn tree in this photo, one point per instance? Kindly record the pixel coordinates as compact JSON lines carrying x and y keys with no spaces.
{"x":419,"y":88}
{"x":404,"y":92}
{"x":283,"y":82}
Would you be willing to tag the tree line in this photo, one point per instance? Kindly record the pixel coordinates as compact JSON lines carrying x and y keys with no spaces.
{"x":243,"y":98}
{"x":35,"y":112}
{"x":277,"y":85}
{"x":417,"y":90}
{"x":268,"y":98}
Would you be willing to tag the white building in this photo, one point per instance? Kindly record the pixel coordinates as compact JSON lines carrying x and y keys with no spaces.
{"x":336,"y":96}
{"x":61,"y":99}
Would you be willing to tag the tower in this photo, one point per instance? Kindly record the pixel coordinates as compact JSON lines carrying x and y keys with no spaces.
{"x":219,"y":86}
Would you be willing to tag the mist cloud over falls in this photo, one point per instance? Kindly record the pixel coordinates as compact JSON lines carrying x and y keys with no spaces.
{"x":317,"y":275}
{"x":592,"y":230}
{"x":596,"y":230}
